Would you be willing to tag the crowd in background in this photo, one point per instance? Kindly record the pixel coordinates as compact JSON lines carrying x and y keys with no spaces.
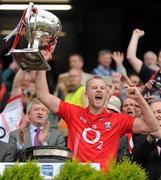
{"x":23,"y":115}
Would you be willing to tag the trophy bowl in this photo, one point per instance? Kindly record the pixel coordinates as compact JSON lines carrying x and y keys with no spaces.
{"x":41,"y":29}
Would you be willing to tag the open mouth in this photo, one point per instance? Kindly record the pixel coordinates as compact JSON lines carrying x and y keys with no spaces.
{"x":39,"y":117}
{"x":130,"y":113}
{"x":98,"y":98}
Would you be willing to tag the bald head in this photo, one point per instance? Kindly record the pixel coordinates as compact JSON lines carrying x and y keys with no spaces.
{"x":94,"y":78}
{"x":150,"y":58}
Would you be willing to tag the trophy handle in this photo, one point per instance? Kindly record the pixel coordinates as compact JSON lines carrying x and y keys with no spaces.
{"x":27,"y":19}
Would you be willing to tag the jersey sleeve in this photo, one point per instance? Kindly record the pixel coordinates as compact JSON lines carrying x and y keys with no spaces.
{"x":126,"y":124}
{"x":145,"y":73}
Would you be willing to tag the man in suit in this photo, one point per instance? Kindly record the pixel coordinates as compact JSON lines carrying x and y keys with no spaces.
{"x":7,"y":153}
{"x":147,"y":148}
{"x":35,"y":129}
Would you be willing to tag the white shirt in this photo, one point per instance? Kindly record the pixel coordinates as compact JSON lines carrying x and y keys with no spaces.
{"x":33,"y":132}
{"x":11,"y":116}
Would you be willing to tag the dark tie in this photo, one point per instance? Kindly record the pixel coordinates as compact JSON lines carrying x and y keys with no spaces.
{"x":37,"y":132}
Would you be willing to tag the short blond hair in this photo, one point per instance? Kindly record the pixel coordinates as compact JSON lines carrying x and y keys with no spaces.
{"x":94,"y":77}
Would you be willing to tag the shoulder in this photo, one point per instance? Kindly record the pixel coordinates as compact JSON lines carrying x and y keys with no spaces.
{"x":63,"y":75}
{"x":69,"y":105}
{"x":5,"y":145}
{"x":15,"y":98}
{"x":86,"y":74}
{"x":14,"y":103}
{"x":96,"y":69}
{"x":55,"y":131}
{"x":15,"y":132}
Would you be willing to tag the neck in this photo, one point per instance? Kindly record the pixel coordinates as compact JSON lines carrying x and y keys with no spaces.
{"x":74,"y":88}
{"x":95,"y":110}
{"x":36,"y":124}
{"x":105,"y":67}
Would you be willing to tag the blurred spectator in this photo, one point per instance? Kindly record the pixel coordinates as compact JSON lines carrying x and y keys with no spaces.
{"x":7,"y":153}
{"x":118,"y":57}
{"x":28,"y":87}
{"x":119,"y":81}
{"x":35,"y":129}
{"x":76,"y":62}
{"x":9,"y":74}
{"x":131,"y":107}
{"x":135,"y":80}
{"x":150,"y":60}
{"x":114,"y":104}
{"x":2,"y":89}
{"x":75,"y":95}
{"x":105,"y":60}
{"x":146,"y":149}
{"x":11,"y":116}
{"x":145,"y":73}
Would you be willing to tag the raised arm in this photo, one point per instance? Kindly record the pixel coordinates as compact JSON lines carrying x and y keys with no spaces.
{"x":17,"y":83}
{"x":149,"y":123}
{"x":135,"y":62}
{"x":42,"y":92}
{"x":118,"y":57}
{"x":41,"y":86}
{"x":9,"y":73}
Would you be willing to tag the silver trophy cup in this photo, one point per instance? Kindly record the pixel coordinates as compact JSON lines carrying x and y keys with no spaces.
{"x":41,"y":29}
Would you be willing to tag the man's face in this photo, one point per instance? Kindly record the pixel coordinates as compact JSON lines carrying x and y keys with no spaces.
{"x":131,"y":107}
{"x":38,"y":114}
{"x":105,"y":60}
{"x":75,"y":62}
{"x":97,"y":92}
{"x":135,"y":80}
{"x":74,"y":78}
{"x":156,"y":108}
{"x":150,"y":59}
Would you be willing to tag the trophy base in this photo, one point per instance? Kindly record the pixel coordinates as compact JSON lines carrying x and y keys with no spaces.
{"x":45,"y":154}
{"x":30,"y":59}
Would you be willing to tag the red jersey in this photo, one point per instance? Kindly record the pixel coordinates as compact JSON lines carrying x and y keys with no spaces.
{"x":94,"y":138}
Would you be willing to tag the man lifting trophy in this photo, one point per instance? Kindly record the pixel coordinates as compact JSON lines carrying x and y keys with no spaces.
{"x":41,"y":29}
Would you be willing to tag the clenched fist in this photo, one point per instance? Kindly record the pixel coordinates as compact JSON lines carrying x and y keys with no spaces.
{"x":138,"y":33}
